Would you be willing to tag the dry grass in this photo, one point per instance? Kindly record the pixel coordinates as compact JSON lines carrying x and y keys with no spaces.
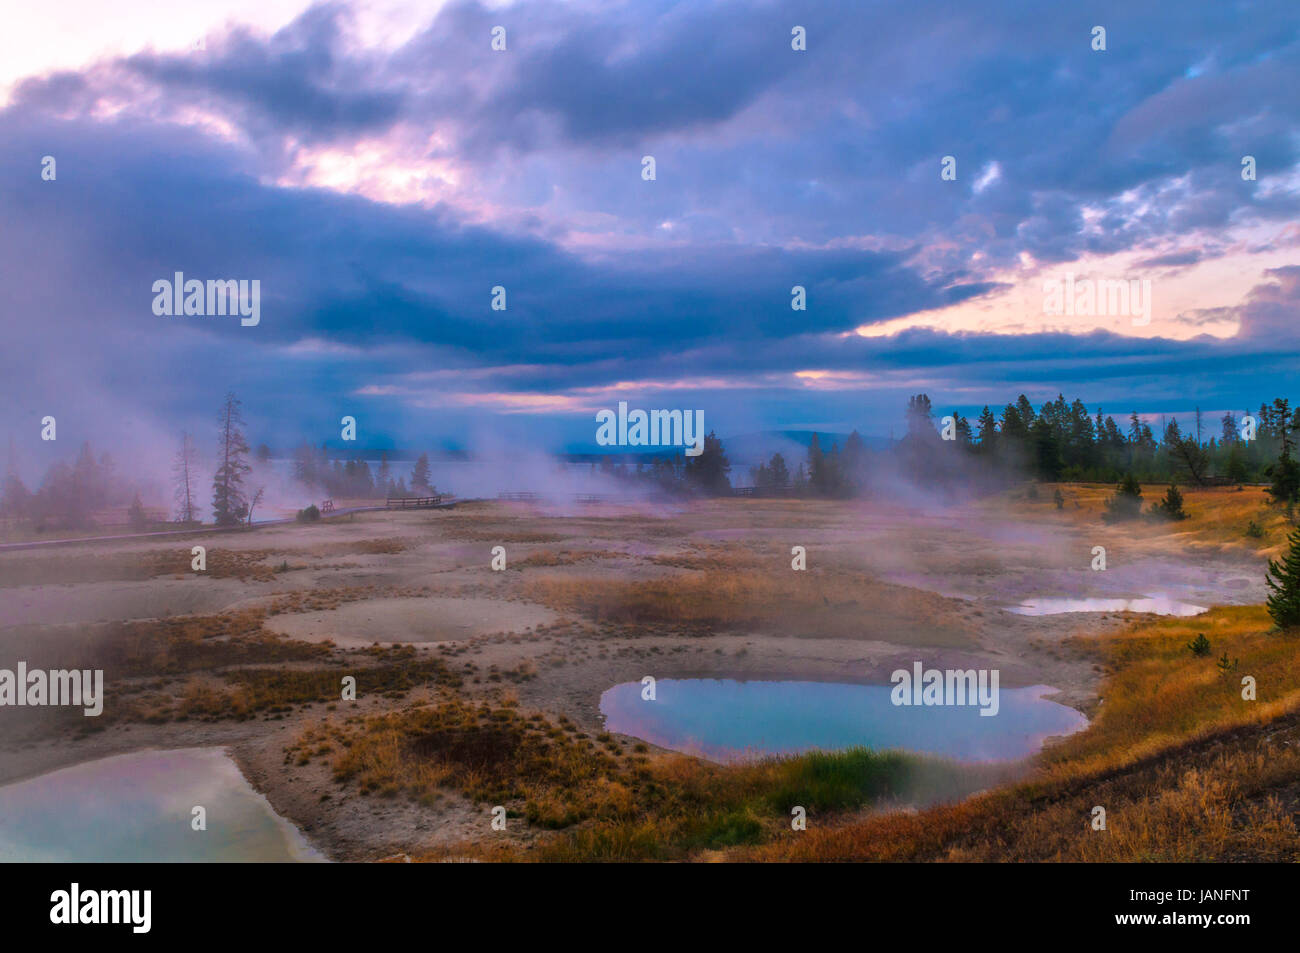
{"x":1217,"y":516}
{"x":1160,"y":695}
{"x":553,"y":557}
{"x":813,"y":603}
{"x":317,"y":600}
{"x":256,"y":565}
{"x":162,"y":647}
{"x":610,"y":802}
{"x":242,"y":564}
{"x":497,"y":528}
{"x":249,"y":691}
{"x":223,"y":666}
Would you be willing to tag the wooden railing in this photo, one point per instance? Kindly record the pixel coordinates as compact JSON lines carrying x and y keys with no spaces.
{"x":764,"y":491}
{"x":412,"y":502}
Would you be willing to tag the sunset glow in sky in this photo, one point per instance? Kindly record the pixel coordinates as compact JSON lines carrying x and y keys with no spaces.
{"x":380,"y":168}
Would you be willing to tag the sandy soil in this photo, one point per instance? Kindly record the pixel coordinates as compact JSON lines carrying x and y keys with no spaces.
{"x":424,"y":578}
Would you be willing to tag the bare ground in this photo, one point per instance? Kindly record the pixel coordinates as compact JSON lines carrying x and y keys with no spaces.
{"x":424,"y":578}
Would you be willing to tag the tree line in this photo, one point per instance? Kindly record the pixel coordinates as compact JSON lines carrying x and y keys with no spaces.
{"x":1058,"y":441}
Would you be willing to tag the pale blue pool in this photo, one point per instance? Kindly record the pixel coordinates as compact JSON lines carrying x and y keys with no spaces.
{"x":727,"y":720}
{"x":139,"y":807}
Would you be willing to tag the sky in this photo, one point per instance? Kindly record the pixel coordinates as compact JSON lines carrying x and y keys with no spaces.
{"x":379,"y":168}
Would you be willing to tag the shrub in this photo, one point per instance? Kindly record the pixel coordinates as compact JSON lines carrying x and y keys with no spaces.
{"x":1199,"y":646}
{"x":309,"y":515}
{"x":1254,"y":530}
{"x":1059,"y":499}
{"x":1126,"y":504}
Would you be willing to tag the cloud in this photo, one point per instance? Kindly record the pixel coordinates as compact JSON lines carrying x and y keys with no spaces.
{"x":521,"y":169}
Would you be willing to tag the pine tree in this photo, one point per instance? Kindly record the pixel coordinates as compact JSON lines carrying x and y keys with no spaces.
{"x":1285,"y":476}
{"x":1013,"y":425}
{"x":964,"y":435}
{"x":1235,"y":469}
{"x":228,"y":503}
{"x":816,"y":465}
{"x":919,"y":414}
{"x":709,"y":470}
{"x":304,"y":465}
{"x":1229,"y":423}
{"x":1171,"y":507}
{"x":420,"y":475}
{"x":1126,"y":504}
{"x":800,"y":479}
{"x":1283,"y":577}
{"x":988,"y":431}
{"x":1046,"y":448}
{"x":777,"y":471}
{"x":853,"y":463}
{"x":1026,"y":411}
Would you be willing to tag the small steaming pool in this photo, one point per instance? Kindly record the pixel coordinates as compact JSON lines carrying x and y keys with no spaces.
{"x":1160,"y":605}
{"x":137,"y":808}
{"x":728,"y":720}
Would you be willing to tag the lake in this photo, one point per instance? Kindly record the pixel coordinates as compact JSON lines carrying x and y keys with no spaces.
{"x":1158,"y":604}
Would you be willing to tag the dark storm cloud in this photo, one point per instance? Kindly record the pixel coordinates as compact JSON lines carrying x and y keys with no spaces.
{"x":772,"y":165}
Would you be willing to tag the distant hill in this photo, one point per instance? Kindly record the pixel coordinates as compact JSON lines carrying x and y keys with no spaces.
{"x":742,"y":449}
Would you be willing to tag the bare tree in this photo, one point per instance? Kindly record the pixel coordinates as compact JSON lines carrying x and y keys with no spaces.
{"x":184,"y":472}
{"x":257,"y":498}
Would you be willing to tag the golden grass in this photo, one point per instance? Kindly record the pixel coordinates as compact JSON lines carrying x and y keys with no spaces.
{"x":1217,"y":516}
{"x":1184,"y":767}
{"x":813,"y":603}
{"x":1161,"y":695}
